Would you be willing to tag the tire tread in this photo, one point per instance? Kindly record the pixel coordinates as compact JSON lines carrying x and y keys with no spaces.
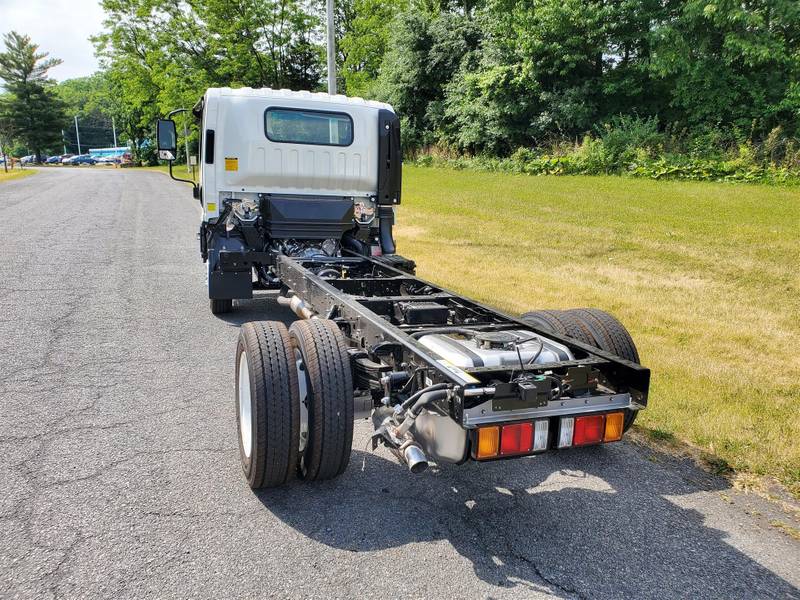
{"x":275,"y":403}
{"x":330,"y":397}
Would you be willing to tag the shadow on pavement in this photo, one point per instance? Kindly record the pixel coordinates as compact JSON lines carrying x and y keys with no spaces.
{"x":586,"y":523}
{"x":263,"y":307}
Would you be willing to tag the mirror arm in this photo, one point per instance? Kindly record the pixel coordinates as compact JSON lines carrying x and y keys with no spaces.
{"x":194,"y":185}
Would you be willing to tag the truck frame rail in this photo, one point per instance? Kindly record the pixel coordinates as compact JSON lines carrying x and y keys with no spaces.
{"x":368,"y":298}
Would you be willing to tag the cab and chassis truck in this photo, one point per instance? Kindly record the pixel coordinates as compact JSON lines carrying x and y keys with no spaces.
{"x":299,"y":192}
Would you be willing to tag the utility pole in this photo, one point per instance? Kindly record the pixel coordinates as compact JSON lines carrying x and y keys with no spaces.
{"x":114,"y":129}
{"x":331,"y":51}
{"x":64,"y":141}
{"x":77,"y":134}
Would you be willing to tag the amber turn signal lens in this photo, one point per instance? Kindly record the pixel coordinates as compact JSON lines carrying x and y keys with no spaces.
{"x":614,"y":424}
{"x":488,"y":442}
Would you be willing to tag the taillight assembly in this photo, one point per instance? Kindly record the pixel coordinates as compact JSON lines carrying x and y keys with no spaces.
{"x":488,"y":442}
{"x":541,"y":434}
{"x":565,"y":432}
{"x":590,"y":429}
{"x":516,"y":439}
{"x":513,"y":439}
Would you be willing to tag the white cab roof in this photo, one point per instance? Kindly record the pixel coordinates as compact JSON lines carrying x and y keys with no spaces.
{"x":321,"y":97}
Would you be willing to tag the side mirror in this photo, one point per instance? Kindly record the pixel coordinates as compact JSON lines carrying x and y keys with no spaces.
{"x":167,"y":140}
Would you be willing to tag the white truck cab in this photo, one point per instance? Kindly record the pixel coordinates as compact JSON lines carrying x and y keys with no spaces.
{"x":295,"y":173}
{"x":278,"y":141}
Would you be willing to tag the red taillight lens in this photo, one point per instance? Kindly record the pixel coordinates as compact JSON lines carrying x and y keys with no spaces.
{"x":588,"y":430}
{"x":516,"y":438}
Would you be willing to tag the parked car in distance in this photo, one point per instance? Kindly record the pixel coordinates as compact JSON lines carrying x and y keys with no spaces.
{"x":81,"y":159}
{"x":53,"y":160}
{"x":108,"y":160}
{"x":65,"y":158}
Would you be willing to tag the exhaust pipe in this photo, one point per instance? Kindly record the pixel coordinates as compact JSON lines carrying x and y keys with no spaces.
{"x":404,"y":447}
{"x":299,"y":307}
{"x":415,"y":458}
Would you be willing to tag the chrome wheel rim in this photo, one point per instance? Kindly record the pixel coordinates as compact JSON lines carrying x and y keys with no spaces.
{"x":245,"y":407}
{"x":302,"y":386}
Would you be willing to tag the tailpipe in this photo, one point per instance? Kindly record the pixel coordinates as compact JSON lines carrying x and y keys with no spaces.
{"x":415,"y":458}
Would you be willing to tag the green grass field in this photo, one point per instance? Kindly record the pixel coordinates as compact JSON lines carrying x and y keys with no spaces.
{"x":704,"y":275}
{"x":14,"y":174}
{"x":181,"y":171}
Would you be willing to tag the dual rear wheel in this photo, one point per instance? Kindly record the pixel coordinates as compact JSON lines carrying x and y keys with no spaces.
{"x":294,"y":401}
{"x":592,"y":327}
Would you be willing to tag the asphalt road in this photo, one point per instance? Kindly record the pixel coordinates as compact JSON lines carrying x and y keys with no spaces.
{"x":120,"y":476}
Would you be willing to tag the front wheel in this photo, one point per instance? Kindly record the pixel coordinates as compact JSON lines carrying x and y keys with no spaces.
{"x":220,"y":307}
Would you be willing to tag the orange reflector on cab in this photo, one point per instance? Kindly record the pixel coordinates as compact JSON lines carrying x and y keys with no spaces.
{"x":588,"y":430}
{"x":488,"y":442}
{"x":614,"y":423}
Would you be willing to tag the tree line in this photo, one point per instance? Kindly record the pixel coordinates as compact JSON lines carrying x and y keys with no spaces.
{"x":479,"y":77}
{"x":37,"y":115}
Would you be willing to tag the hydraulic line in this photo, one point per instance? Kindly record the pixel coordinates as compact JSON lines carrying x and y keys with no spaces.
{"x":432,"y":388}
{"x":461,"y":330}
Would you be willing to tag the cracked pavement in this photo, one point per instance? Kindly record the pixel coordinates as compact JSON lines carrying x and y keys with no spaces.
{"x":120,"y":471}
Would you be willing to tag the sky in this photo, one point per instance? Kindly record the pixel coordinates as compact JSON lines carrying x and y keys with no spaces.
{"x":60,"y":27}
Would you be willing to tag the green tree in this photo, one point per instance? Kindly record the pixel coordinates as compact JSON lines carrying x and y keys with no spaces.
{"x":89,"y":99}
{"x":30,"y":108}
{"x":425,"y":51}
{"x":551,"y":68}
{"x":731,"y":62}
{"x":363,"y":32}
{"x":6,"y":136}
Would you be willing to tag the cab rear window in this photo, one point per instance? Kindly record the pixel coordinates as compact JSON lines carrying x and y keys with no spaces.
{"x":296,"y":126}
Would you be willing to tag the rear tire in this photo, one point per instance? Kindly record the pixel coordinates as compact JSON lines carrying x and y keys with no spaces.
{"x":267,"y":404}
{"x":559,"y":321}
{"x":329,"y":398}
{"x":610,"y":335}
{"x":593,"y":327}
{"x":544,"y":319}
{"x":220,"y":307}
